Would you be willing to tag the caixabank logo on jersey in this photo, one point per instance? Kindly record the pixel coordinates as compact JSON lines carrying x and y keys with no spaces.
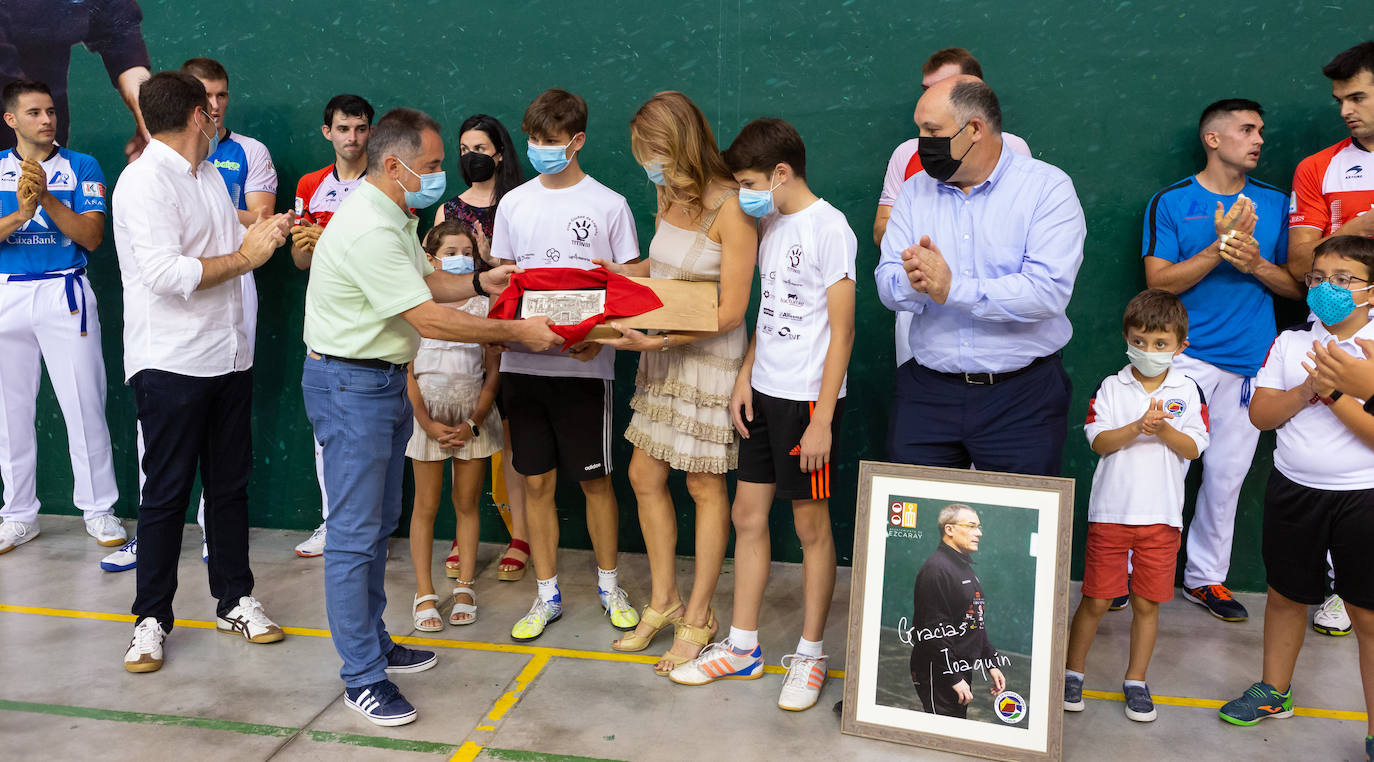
{"x":901,"y":517}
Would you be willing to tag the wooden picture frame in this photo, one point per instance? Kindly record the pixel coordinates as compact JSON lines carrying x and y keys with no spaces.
{"x":1020,"y":584}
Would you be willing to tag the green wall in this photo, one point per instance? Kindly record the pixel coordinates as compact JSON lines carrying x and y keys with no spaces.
{"x":1109,"y":92}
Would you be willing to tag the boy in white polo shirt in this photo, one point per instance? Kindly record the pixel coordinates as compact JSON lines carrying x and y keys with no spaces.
{"x":787,"y":404}
{"x":1320,"y":494}
{"x":560,"y":403}
{"x":1147,"y":422}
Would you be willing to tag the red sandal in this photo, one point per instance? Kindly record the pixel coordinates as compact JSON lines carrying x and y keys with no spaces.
{"x":451,"y":564}
{"x":518,"y":573}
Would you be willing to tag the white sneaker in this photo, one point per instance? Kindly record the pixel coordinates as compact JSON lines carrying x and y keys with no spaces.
{"x":249,"y":620}
{"x":802,"y":686}
{"x":1331,"y":617}
{"x":107,"y":530}
{"x":123,"y":559}
{"x":16,"y":533}
{"x":145,"y":650}
{"x":313,"y":547}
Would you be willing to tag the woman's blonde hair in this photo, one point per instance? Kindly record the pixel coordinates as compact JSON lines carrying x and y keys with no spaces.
{"x":670,"y":130}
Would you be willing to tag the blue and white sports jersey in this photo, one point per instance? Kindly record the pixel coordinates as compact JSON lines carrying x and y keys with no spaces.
{"x":246,"y":167}
{"x":38,"y":246}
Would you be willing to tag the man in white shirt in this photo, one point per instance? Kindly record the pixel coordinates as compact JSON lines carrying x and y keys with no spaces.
{"x":904,"y":162}
{"x":189,"y":359}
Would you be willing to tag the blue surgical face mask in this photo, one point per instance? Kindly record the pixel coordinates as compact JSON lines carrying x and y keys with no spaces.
{"x":432,"y":187}
{"x":756,"y":203}
{"x":213,"y":136}
{"x":1331,"y":303}
{"x":655,"y":173}
{"x":458,"y":264}
{"x":549,"y":160}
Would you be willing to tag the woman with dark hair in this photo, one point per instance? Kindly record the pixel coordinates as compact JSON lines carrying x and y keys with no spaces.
{"x":490,"y":167}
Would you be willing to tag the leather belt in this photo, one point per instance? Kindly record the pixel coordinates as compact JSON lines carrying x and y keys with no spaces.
{"x":989,"y":379}
{"x":360,"y":362}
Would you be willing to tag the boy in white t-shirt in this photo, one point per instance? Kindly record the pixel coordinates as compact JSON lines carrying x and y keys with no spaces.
{"x":786,"y":404}
{"x":1148,"y":422}
{"x":1320,"y":495}
{"x":560,"y":403}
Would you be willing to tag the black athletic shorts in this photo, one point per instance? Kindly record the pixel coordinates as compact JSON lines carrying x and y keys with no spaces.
{"x":558,"y":423}
{"x":772,"y":453}
{"x":1301,"y":524}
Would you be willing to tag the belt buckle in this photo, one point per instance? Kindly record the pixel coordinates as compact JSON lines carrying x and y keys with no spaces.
{"x":978,"y":379}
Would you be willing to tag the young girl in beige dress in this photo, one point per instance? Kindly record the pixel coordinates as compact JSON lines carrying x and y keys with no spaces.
{"x":681,"y":417}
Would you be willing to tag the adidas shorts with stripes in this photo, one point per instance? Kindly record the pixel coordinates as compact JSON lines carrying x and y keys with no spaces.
{"x":772,"y":453}
{"x":558,"y":422}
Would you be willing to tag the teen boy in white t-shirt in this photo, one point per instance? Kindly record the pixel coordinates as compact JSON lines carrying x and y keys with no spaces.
{"x":787,"y":403}
{"x":560,"y":403}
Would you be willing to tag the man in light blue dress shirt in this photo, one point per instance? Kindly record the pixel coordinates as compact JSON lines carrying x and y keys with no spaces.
{"x":982,"y":248}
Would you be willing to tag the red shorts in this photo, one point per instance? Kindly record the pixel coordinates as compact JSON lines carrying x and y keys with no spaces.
{"x":1153,"y":553}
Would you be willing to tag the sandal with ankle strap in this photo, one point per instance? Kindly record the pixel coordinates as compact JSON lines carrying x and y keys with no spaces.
{"x":463,"y":608}
{"x":656,"y":620}
{"x":419,"y":615}
{"x":518,"y":573}
{"x":453,"y":562}
{"x":697,"y":636}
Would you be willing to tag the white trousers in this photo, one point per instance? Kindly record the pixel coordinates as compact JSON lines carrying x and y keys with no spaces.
{"x":250,"y":321}
{"x":1225,"y":464}
{"x":38,"y":328}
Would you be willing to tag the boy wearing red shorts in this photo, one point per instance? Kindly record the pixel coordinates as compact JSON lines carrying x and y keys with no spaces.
{"x":1147,"y":422}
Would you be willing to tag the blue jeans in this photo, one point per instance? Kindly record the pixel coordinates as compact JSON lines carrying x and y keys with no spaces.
{"x":362,"y":417}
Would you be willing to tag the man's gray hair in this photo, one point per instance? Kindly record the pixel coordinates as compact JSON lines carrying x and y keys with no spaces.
{"x":950,"y":514}
{"x":973,"y":98}
{"x":397,"y":134}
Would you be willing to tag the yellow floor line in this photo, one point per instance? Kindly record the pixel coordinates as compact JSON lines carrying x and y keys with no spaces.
{"x":470,"y":748}
{"x":570,"y":653}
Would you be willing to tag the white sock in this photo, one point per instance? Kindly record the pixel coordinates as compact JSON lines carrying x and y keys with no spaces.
{"x":548,"y":588}
{"x":1136,"y":683}
{"x":810,"y":648}
{"x":606,"y":581}
{"x":744,"y":640}
{"x":1071,"y":673}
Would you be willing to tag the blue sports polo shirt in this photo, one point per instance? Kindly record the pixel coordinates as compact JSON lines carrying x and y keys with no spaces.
{"x":38,"y":246}
{"x":1230,"y":314}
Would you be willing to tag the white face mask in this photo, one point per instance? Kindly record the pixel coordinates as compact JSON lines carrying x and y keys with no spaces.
{"x":1150,"y":364}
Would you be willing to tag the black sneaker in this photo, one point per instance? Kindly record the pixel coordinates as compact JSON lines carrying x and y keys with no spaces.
{"x":1139,"y":706}
{"x":402,"y":659}
{"x":1218,"y":602}
{"x":1073,"y":693}
{"x":380,"y":702}
{"x":1120,"y":602}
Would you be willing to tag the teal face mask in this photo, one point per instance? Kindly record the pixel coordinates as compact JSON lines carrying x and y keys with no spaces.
{"x":432,"y":187}
{"x":213,"y":136}
{"x":655,"y":174}
{"x":456,"y":264}
{"x":548,"y":160}
{"x":756,"y":203}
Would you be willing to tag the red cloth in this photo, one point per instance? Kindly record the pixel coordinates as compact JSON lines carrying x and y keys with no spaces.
{"x":624,"y":297}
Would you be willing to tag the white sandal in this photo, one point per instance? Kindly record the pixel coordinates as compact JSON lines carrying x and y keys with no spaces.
{"x":464,"y":608}
{"x":420,"y":615}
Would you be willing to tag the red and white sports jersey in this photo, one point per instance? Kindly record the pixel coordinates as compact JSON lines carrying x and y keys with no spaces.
{"x":1332,"y":187}
{"x":318,"y":194}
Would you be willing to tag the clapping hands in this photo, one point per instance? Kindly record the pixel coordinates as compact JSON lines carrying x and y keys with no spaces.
{"x":1155,"y":417}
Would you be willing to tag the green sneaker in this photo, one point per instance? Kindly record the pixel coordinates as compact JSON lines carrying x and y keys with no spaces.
{"x":542,"y":614}
{"x":617,"y":606}
{"x":1261,"y":701}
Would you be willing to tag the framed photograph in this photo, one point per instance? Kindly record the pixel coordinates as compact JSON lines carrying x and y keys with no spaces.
{"x":564,"y":307}
{"x":958,"y":612}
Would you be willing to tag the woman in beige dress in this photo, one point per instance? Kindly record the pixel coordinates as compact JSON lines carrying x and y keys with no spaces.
{"x":681,"y":417}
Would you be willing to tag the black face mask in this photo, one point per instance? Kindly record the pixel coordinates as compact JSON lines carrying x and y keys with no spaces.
{"x":936,"y":159}
{"x":476,"y":167}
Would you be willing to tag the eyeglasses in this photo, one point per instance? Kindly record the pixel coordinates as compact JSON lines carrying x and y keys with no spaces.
{"x":1340,"y":280}
{"x":968,"y":524}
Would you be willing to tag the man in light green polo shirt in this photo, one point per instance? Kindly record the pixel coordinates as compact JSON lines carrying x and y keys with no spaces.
{"x":372,"y":295}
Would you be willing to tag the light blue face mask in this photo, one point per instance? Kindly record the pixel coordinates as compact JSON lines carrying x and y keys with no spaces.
{"x":655,"y":173}
{"x":214,"y":135}
{"x":549,"y":160}
{"x":432,"y":187}
{"x":756,"y":203}
{"x":458,"y":264}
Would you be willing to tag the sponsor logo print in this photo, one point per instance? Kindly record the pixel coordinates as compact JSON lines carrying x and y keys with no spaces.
{"x":331,"y":194}
{"x":552,"y":255}
{"x":785,"y":315}
{"x":793,"y":300}
{"x":583,"y":230}
{"x":794,"y":257}
{"x":786,"y":333}
{"x":767,"y":311}
{"x":1175,"y":407}
{"x":902,"y":513}
{"x":93,"y":189}
{"x":10,"y":175}
{"x":226,"y":164}
{"x":59,"y":179}
{"x":1011,"y":708}
{"x":1354,"y":172}
{"x":592,"y":467}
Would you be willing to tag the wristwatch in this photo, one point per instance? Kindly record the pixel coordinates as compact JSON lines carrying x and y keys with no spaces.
{"x":475,"y":432}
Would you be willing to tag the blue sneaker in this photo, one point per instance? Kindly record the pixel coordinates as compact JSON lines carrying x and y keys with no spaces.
{"x":123,"y":559}
{"x":1139,"y":706}
{"x":1073,"y":693}
{"x":402,"y":659}
{"x":381,"y":703}
{"x":1259,"y":702}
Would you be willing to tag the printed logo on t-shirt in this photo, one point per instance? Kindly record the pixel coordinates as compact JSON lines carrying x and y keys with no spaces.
{"x":1293,"y":203}
{"x":767,"y":311}
{"x":1354,"y":172}
{"x":583,"y":229}
{"x":60,"y":178}
{"x":787,"y":333}
{"x":1175,"y":406}
{"x":552,"y":255}
{"x":794,"y":317}
{"x":794,"y":258}
{"x":793,"y":299}
{"x":93,"y":189}
{"x":1195,"y":211}
{"x":226,"y":164}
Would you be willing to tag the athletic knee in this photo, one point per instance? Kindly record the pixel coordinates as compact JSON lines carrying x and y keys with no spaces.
{"x":813,"y":529}
{"x":541,"y":486}
{"x":702,"y":486}
{"x":749,"y":521}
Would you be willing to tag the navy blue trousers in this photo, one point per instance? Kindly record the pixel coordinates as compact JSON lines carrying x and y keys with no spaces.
{"x":1016,"y":426}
